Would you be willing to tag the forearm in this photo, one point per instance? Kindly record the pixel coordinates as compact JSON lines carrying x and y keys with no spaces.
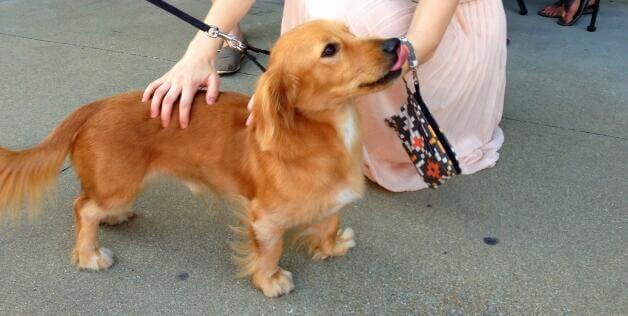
{"x":429,"y":24}
{"x":225,"y":14}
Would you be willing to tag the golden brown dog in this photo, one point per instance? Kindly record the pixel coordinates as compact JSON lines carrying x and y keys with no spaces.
{"x":296,"y":166}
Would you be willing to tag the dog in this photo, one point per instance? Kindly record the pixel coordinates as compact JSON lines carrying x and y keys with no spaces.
{"x":296,"y":166}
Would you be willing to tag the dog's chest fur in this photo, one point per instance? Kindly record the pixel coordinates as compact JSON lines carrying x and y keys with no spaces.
{"x":349,"y":129}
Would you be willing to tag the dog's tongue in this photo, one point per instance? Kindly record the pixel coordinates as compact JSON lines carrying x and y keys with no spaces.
{"x":402,"y":55}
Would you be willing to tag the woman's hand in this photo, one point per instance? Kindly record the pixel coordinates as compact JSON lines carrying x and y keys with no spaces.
{"x":183,"y":80}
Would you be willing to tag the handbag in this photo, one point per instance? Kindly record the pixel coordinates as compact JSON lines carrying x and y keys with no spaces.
{"x":422,"y":138}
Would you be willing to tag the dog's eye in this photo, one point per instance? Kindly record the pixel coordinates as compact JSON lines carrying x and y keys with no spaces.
{"x":330,"y":50}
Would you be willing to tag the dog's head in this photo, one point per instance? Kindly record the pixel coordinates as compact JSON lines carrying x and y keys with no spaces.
{"x":320,"y":66}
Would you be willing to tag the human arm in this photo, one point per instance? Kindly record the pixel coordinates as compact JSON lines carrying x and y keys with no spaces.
{"x":429,"y":23}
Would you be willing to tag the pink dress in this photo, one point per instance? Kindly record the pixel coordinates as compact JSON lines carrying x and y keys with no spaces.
{"x":463,"y":83}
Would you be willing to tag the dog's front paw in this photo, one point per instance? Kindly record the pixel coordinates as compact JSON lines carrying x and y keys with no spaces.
{"x":279,"y":283}
{"x":100,"y":259}
{"x":344,"y":241}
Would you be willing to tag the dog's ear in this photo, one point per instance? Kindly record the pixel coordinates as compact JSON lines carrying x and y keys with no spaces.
{"x":273,"y":107}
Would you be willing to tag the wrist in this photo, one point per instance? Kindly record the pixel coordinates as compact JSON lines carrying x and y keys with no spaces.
{"x":423,"y":48}
{"x":203,"y":47}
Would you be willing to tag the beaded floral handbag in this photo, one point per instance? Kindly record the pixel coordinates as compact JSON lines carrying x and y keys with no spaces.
{"x":423,"y":140}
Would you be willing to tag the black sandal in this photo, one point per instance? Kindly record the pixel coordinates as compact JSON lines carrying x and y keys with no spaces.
{"x":567,"y":5}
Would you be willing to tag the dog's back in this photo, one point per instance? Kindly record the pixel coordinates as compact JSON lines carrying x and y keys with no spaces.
{"x":215,"y":139}
{"x":114,"y":145}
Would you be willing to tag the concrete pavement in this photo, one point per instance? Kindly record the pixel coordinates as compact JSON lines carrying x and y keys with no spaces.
{"x":556,"y":200}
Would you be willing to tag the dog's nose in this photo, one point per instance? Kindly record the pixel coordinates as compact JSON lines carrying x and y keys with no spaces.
{"x":390,"y":45}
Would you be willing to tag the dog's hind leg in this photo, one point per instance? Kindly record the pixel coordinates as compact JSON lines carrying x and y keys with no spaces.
{"x":325,"y":239}
{"x":109,"y":187}
{"x":87,"y":253}
{"x":88,"y":214}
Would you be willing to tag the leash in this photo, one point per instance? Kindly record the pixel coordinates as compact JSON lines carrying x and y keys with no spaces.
{"x":213,"y":31}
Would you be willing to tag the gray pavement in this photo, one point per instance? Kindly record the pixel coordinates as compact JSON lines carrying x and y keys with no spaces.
{"x":556,"y":200}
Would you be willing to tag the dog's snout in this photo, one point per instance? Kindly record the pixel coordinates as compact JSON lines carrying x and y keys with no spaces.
{"x":390,"y":45}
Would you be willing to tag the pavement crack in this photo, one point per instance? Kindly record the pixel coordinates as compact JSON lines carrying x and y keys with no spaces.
{"x":564,"y":128}
{"x":89,"y":47}
{"x":65,"y":169}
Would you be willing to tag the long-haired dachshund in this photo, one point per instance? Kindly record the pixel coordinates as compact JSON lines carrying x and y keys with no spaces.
{"x":297,"y":166}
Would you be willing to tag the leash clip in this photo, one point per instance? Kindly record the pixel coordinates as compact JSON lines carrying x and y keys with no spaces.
{"x":232,"y":41}
{"x":413,"y":61}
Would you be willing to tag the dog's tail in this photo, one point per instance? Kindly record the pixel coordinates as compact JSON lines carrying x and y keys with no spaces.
{"x":25,"y":175}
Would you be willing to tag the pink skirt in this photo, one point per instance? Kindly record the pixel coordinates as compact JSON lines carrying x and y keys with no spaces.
{"x":463,"y":84}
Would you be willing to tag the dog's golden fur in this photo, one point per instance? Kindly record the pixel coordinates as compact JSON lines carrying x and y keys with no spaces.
{"x":296,"y":166}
